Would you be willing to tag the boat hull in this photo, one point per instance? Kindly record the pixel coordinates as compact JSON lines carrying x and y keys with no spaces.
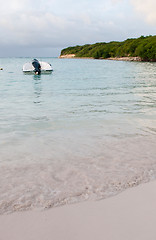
{"x":45,"y":67}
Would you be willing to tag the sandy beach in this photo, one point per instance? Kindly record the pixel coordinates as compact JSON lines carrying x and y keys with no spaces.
{"x":136,"y":59}
{"x":130,"y":215}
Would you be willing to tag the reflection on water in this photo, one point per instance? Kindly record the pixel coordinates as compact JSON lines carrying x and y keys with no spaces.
{"x":37,"y":82}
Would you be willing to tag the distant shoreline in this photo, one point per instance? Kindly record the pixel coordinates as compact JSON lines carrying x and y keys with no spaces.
{"x":142,"y":49}
{"x":131,"y":59}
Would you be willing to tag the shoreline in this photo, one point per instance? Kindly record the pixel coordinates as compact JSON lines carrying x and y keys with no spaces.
{"x":128,"y":215}
{"x":69,"y":56}
{"x":131,"y":59}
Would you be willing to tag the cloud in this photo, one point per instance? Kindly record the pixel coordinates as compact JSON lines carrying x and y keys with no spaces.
{"x":59,"y":23}
{"x":42,"y":28}
{"x":147,"y":8}
{"x":26,"y":28}
{"x":116,"y":1}
{"x":51,"y":22}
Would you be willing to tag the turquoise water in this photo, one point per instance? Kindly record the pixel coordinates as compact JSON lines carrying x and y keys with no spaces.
{"x":86,"y":131}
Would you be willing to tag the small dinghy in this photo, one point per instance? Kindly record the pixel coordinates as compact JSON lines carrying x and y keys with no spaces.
{"x":37,"y":67}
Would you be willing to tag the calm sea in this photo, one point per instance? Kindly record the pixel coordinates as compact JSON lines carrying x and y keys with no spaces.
{"x":85,"y":132}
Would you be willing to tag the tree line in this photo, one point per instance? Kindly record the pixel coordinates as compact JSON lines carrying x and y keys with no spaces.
{"x":143,"y":47}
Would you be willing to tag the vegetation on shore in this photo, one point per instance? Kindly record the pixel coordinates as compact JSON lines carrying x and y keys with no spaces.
{"x":143,"y":47}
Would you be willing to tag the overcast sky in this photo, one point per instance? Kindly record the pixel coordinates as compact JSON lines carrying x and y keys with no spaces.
{"x":43,"y":27}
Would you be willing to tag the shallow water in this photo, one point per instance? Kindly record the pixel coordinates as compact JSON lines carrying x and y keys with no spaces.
{"x":86,"y":131}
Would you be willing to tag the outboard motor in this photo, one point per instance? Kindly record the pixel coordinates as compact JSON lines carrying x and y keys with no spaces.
{"x":37,"y":66}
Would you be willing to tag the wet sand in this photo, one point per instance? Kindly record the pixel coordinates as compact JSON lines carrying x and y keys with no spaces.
{"x":130,"y":215}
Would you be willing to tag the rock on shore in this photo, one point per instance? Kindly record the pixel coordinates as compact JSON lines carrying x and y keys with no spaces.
{"x":67,"y":56}
{"x":138,"y":59}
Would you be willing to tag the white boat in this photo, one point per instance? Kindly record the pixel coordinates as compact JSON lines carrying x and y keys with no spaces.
{"x":37,"y":67}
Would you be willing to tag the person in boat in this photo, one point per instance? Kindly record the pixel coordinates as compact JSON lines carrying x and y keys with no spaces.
{"x":37,"y":66}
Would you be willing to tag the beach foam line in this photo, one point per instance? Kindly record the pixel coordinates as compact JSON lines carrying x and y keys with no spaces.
{"x":131,"y":215}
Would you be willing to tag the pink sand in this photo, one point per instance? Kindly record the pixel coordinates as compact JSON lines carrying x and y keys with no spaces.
{"x":130,"y":215}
